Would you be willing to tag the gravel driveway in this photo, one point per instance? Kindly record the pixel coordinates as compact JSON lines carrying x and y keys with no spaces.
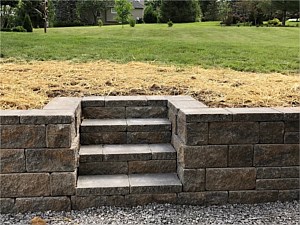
{"x":269,"y":213}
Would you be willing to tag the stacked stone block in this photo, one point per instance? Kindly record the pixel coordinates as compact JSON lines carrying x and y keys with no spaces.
{"x":38,"y":157}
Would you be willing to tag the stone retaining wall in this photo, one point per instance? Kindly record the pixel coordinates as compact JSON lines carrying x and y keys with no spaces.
{"x":224,"y":155}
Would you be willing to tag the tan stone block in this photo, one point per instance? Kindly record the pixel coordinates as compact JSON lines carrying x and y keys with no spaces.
{"x":240,"y":156}
{"x":7,"y":205}
{"x":277,"y":184}
{"x":63,"y":183}
{"x":59,"y":136}
{"x":24,"y":185}
{"x":192,"y":133}
{"x":12,"y":161}
{"x":193,"y":180}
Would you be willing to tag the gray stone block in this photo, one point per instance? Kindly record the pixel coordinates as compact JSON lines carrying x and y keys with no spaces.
{"x":104,"y":112}
{"x":205,"y":115}
{"x":271,"y":132}
{"x":103,"y":138}
{"x":155,"y":100}
{"x":268,"y":172}
{"x":63,"y":183}
{"x":240,"y":156}
{"x":148,"y":125}
{"x":203,"y":156}
{"x":173,"y":119}
{"x":234,"y":133}
{"x":92,"y":101}
{"x":193,"y":180}
{"x":111,"y":101}
{"x":50,"y":160}
{"x":276,"y":155}
{"x":290,"y":172}
{"x":292,"y":138}
{"x":192,"y":133}
{"x":148,"y":137}
{"x":179,"y":98}
{"x":7,"y":205}
{"x":203,"y":198}
{"x":143,"y":199}
{"x":152,"y":166}
{"x":103,"y":168}
{"x":154,"y":183}
{"x":42,"y":204}
{"x":288,"y":195}
{"x":12,"y":161}
{"x":252,"y":197}
{"x":84,"y":202}
{"x":24,"y":185}
{"x":37,"y":116}
{"x":10,"y":117}
{"x":103,"y":125}
{"x":23,"y":136}
{"x":176,"y":142}
{"x":230,"y":179}
{"x":91,"y":153}
{"x":162,"y":151}
{"x":176,"y":105}
{"x":255,"y":114}
{"x":102,"y":185}
{"x":64,"y":103}
{"x":59,"y":136}
{"x":146,"y":112}
{"x":290,"y":113}
{"x":277,"y":184}
{"x":291,"y":126}
{"x":126,"y":152}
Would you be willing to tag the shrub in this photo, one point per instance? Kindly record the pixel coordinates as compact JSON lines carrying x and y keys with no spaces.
{"x":18,"y":29}
{"x":6,"y":29}
{"x":150,"y":14}
{"x":27,"y":23}
{"x":132,"y":22}
{"x":170,"y":23}
{"x":274,"y":22}
{"x":100,"y":23}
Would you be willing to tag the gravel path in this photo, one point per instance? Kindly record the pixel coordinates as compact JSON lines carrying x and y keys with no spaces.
{"x":269,"y":213}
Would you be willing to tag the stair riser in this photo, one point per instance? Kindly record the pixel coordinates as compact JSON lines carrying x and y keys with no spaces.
{"x":124,"y":112}
{"x":125,"y":138}
{"x":131,"y":167}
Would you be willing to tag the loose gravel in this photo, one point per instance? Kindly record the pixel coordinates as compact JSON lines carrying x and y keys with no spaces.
{"x":268,"y":213}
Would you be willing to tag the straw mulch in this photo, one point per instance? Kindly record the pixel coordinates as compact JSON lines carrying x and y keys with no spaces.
{"x":27,"y":85}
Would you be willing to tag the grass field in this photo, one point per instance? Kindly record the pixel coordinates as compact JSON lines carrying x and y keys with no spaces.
{"x":263,"y":49}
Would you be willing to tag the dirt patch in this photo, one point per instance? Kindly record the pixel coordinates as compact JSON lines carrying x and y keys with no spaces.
{"x":32,"y":85}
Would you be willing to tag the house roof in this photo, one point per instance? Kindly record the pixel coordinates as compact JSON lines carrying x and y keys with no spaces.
{"x":137,"y":5}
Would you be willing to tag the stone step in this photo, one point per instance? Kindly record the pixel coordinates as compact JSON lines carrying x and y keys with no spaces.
{"x":127,"y":159}
{"x":95,"y":185}
{"x":125,"y":131}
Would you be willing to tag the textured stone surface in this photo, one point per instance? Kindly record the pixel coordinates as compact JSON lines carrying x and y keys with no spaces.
{"x":24,"y":184}
{"x":291,"y":126}
{"x":240,"y":155}
{"x":103,"y":138}
{"x":203,"y":156}
{"x":146,"y":112}
{"x":149,"y":125}
{"x":203,"y":198}
{"x":102,"y":185}
{"x":193,"y":180}
{"x":103,"y":168}
{"x":277,"y":184}
{"x":152,"y":166}
{"x":177,"y":143}
{"x":143,"y":199}
{"x":63,"y":183}
{"x":233,"y":133}
{"x":92,"y":101}
{"x":83,"y":202}
{"x":276,"y":155}
{"x":154,"y":183}
{"x":91,"y":153}
{"x":162,"y":151}
{"x":290,"y":113}
{"x":204,"y":115}
{"x":290,"y":172}
{"x":103,"y":125}
{"x":7,"y":205}
{"x":43,"y":204}
{"x":23,"y":136}
{"x":148,"y":137}
{"x":104,"y":112}
{"x":292,"y":138}
{"x":155,"y":100}
{"x":271,"y":132}
{"x":255,"y":114}
{"x":277,"y":172}
{"x":252,"y":197}
{"x":176,"y":105}
{"x":173,"y":119}
{"x":12,"y":161}
{"x":50,"y":160}
{"x":126,"y":152}
{"x":10,"y":116}
{"x":59,"y":136}
{"x":66,"y":103}
{"x":41,"y":116}
{"x":230,"y":179}
{"x":125,"y":101}
{"x":288,"y":195}
{"x":192,"y":133}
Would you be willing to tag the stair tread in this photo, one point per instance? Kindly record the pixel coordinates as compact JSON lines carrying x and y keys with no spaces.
{"x":124,"y":184}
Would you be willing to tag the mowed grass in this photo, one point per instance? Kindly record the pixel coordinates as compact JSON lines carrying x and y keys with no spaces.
{"x":208,"y":45}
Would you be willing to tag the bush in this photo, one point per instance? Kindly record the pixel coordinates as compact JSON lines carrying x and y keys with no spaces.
{"x":18,"y":29}
{"x":67,"y":23}
{"x":132,"y":22}
{"x":27,"y":23}
{"x":100,"y":23}
{"x":170,"y":23}
{"x":6,"y":29}
{"x":150,"y":15}
{"x":274,"y":22}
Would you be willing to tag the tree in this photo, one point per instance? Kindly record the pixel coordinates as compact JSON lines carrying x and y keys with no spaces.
{"x":180,"y":11}
{"x":27,"y":24}
{"x":225,"y":12}
{"x":123,"y":9}
{"x":66,"y":13}
{"x":90,"y":8}
{"x":7,"y":8}
{"x":285,"y":7}
{"x":151,"y":12}
{"x":211,"y":13}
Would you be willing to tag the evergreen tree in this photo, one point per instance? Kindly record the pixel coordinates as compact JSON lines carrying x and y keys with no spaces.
{"x":211,"y":13}
{"x":27,"y":24}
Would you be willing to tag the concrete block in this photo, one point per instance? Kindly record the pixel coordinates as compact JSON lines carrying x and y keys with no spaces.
{"x":252,"y":197}
{"x":291,"y":126}
{"x":148,"y":125}
{"x":292,"y":138}
{"x":64,"y":103}
{"x":92,"y":101}
{"x":91,"y":153}
{"x":193,"y":180}
{"x":103,"y":125}
{"x":143,"y":199}
{"x":255,"y":114}
{"x":268,"y":172}
{"x":41,"y":116}
{"x":146,"y":112}
{"x":290,"y":172}
{"x":290,"y":113}
{"x":205,"y":115}
{"x":103,"y":168}
{"x":288,"y":195}
{"x":103,"y":138}
{"x":173,"y":119}
{"x":162,"y":151}
{"x":148,"y":137}
{"x":277,"y":184}
{"x":7,"y":205}
{"x":84,"y":202}
{"x":176,"y":105}
{"x":12,"y":161}
{"x":155,"y":100}
{"x":111,"y":101}
{"x":192,"y":133}
{"x":63,"y":183}
{"x":10,"y":117}
{"x":271,"y":132}
{"x":203,"y":198}
{"x":126,"y":152}
{"x":59,"y":136}
{"x":240,"y":156}
{"x":152,"y":166}
{"x":104,"y":112}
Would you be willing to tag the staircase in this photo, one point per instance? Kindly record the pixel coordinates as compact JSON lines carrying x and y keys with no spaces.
{"x":125,"y":148}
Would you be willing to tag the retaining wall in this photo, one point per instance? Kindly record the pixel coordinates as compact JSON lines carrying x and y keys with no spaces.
{"x":224,"y":155}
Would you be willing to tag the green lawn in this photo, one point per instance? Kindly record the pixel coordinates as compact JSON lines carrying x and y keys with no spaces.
{"x":263,"y":49}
